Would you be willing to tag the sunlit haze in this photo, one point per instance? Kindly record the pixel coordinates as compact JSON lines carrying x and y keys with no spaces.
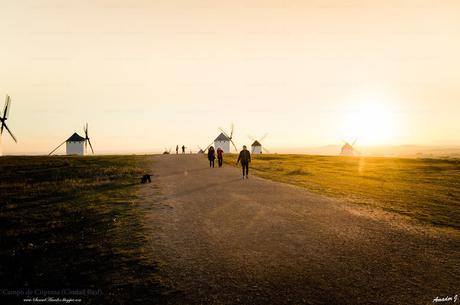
{"x":147,"y":75}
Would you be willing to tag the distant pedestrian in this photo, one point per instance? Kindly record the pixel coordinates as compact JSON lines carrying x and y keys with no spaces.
{"x":183,"y":149}
{"x":177,"y":149}
{"x":245,"y":158}
{"x":220,"y":156}
{"x":211,"y":156}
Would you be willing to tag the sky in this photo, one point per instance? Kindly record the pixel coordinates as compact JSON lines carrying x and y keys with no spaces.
{"x":147,"y":75}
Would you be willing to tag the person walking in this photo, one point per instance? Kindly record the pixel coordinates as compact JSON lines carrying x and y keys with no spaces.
{"x":245,"y":158}
{"x":220,"y":157}
{"x":177,"y":149}
{"x":211,"y":156}
{"x":183,"y":149}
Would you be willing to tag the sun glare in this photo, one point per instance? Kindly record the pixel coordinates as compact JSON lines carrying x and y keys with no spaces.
{"x":370,"y":122}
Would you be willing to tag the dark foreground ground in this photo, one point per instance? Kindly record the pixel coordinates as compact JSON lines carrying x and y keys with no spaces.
{"x":85,"y":228}
{"x":72,"y":228}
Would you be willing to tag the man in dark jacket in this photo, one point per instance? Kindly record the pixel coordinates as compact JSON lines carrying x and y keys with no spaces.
{"x":245,"y":158}
{"x":211,"y":156}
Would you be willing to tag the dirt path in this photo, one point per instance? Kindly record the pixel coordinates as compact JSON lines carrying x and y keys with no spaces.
{"x":222,"y":240}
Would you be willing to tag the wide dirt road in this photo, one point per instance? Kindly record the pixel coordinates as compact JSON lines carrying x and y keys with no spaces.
{"x":223,"y":240}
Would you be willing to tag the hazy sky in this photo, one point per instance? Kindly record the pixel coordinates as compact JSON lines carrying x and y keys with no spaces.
{"x":147,"y":75}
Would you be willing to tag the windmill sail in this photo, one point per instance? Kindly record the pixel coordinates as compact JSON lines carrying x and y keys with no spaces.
{"x":6,"y":111}
{"x":87,"y":139}
{"x":57,"y":148}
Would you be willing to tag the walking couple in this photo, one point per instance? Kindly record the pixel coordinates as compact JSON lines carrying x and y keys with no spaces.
{"x":212,"y":156}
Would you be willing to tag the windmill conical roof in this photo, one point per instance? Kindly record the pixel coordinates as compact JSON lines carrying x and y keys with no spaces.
{"x":222,"y":138}
{"x":256,"y":143}
{"x":75,"y":138}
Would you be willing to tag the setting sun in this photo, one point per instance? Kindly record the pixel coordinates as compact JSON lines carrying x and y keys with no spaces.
{"x":371,"y":121}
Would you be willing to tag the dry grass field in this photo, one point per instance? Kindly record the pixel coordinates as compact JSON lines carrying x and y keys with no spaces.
{"x":424,"y":189}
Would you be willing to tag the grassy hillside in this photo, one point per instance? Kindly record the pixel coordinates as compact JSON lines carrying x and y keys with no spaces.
{"x":425,"y":189}
{"x":73,"y":223}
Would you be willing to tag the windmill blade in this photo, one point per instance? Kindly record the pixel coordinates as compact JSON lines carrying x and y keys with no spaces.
{"x":6,"y":110}
{"x":354,"y":142}
{"x":56,"y":148}
{"x":249,"y":136}
{"x":90,"y":146}
{"x":9,"y":131}
{"x":1,"y":128}
{"x":266,"y":150}
{"x":231,"y":130}
{"x":263,"y":137}
{"x":207,"y":147}
{"x":233,"y":143}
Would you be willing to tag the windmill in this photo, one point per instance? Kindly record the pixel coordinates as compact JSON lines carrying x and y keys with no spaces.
{"x":76,"y":144}
{"x":201,"y":151}
{"x":223,"y":140}
{"x":256,"y":146}
{"x":3,"y":119}
{"x":348,"y":149}
{"x":167,"y":151}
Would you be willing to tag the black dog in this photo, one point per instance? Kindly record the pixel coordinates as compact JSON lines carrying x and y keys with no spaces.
{"x":146,"y":178}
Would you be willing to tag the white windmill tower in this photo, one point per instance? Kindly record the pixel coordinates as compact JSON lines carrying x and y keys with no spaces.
{"x":3,"y":119}
{"x":76,"y":144}
{"x":348,"y":149}
{"x":256,"y":146}
{"x":223,"y":140}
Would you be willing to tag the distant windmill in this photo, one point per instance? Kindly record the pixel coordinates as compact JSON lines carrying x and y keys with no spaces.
{"x":3,"y":119}
{"x":223,"y":140}
{"x":201,"y":151}
{"x":256,"y":146}
{"x":167,"y":151}
{"x":76,"y":144}
{"x":348,"y":149}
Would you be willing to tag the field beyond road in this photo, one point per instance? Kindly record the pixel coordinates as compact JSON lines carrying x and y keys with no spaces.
{"x":424,"y":189}
{"x":224,"y":240}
